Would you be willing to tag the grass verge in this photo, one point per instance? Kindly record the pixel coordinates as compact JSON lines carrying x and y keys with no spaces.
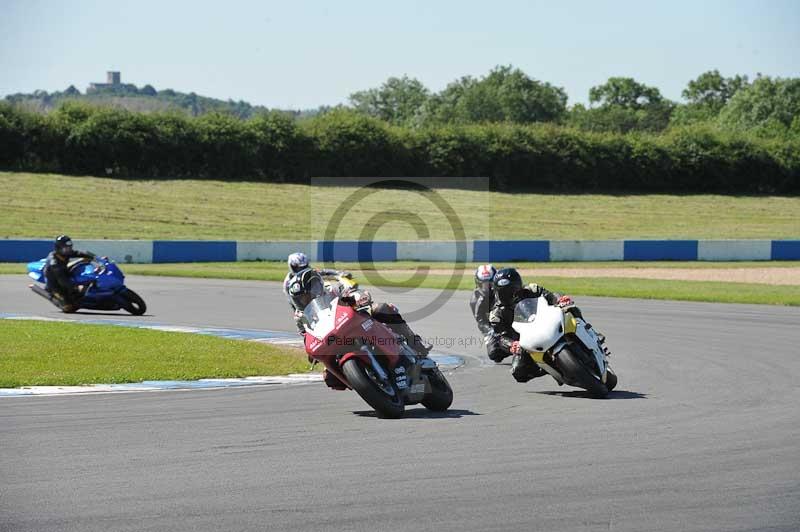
{"x":710,"y":291}
{"x":37,"y":353}
{"x":208,"y":209}
{"x":706,"y":291}
{"x":276,"y":270}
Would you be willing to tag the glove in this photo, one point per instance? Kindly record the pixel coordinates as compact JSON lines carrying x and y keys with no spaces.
{"x":565,"y":301}
{"x":515,"y":348}
{"x":364,"y":298}
{"x":298,"y":314}
{"x":346,"y":275}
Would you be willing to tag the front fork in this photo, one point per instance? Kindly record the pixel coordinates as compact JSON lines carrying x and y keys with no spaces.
{"x":404,"y":373}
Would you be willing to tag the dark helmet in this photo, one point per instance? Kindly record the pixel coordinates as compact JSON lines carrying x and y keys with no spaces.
{"x":507,"y":282}
{"x":63,"y":245}
{"x":484,"y":276}
{"x":306,"y":286}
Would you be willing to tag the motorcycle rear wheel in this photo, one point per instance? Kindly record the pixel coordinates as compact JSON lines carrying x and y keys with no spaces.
{"x":441,"y":396}
{"x":578,"y":375}
{"x":385,"y":405}
{"x":134,"y":303}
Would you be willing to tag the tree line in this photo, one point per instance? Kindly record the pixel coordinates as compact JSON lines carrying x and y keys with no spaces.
{"x":766,"y":106}
{"x":78,"y":138}
{"x":140,"y":99}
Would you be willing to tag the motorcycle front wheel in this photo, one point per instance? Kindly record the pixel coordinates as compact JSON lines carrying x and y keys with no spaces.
{"x":383,"y":397}
{"x":133,"y":303}
{"x":611,"y":380}
{"x":441,"y":396}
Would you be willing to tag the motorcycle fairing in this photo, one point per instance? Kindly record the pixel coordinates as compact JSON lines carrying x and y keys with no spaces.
{"x":104,"y":282}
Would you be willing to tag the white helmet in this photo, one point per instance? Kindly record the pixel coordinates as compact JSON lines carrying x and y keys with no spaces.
{"x":297,"y":261}
{"x":484,"y":276}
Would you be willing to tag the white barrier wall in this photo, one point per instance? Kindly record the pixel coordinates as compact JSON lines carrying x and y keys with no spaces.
{"x":275,"y":250}
{"x":586,"y":250}
{"x":721,"y":250}
{"x":122,"y":251}
{"x":432,"y":250}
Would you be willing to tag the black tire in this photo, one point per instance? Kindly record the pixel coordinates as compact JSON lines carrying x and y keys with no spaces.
{"x":611,"y":380}
{"x":385,"y":405}
{"x":441,"y":396}
{"x":578,"y":375}
{"x":133,"y":303}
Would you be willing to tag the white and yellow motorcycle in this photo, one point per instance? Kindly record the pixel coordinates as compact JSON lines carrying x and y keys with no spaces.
{"x":562,"y":345}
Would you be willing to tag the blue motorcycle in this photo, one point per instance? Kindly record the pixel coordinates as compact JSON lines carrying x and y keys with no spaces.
{"x":100,"y":282}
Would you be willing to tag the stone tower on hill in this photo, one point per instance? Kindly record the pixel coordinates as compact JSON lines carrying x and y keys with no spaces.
{"x":113,"y":79}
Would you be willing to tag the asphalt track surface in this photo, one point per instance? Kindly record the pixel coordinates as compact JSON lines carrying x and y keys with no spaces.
{"x":703,"y":434}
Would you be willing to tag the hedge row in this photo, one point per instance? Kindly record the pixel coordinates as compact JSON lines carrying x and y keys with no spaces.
{"x":78,"y":139}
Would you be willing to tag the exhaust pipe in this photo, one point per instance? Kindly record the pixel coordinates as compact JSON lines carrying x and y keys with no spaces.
{"x":47,"y":295}
{"x":41,"y":291}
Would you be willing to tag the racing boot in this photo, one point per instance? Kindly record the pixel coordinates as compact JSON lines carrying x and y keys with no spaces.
{"x":523,"y":368}
{"x":600,"y":336}
{"x":421,"y":346}
{"x":414,"y":340}
{"x":495,"y":349}
{"x":332,"y":381}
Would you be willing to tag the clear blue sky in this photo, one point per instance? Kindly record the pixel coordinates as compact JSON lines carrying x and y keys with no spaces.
{"x":296,"y":54}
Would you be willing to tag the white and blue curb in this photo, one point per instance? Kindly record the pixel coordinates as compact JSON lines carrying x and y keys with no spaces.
{"x":263,"y":336}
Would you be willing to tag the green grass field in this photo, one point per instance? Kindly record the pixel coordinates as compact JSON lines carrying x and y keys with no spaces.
{"x":206,"y":209}
{"x":591,"y":285}
{"x":59,"y":353}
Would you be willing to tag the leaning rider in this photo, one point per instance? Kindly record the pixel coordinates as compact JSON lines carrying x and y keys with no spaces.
{"x":481,"y":303}
{"x":56,"y":272}
{"x":509,"y":291}
{"x":308,"y":284}
{"x":298,"y":262}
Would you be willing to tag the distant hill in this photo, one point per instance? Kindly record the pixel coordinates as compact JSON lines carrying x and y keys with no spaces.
{"x":145,"y":99}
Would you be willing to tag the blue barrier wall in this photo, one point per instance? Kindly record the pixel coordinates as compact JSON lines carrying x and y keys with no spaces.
{"x":24,"y":250}
{"x":660,"y":250}
{"x":786,"y":250}
{"x":193,"y":251}
{"x":511,"y":250}
{"x":356,"y":251}
{"x":501,"y":251}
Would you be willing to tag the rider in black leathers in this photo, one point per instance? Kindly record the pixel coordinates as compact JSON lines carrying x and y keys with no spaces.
{"x":510,"y":291}
{"x":481,"y":303}
{"x":482,"y":298}
{"x":56,"y":271}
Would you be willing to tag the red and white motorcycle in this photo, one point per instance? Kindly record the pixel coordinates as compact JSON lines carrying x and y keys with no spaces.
{"x":371,"y":359}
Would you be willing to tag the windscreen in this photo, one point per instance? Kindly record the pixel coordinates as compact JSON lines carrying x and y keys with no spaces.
{"x":525,"y":311}
{"x":317,"y":307}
